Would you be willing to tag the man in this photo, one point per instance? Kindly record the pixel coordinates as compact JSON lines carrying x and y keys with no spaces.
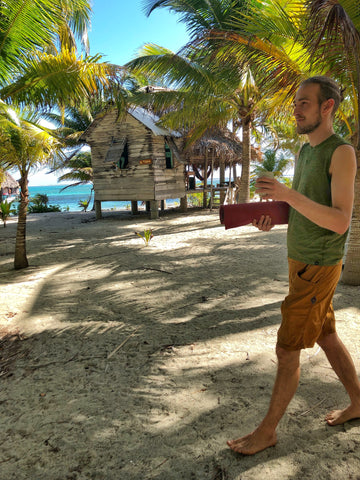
{"x":321,"y":201}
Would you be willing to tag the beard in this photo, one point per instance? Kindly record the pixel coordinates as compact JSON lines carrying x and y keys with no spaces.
{"x":304,"y":129}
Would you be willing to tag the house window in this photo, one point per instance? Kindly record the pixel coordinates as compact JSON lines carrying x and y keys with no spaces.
{"x":168,"y":157}
{"x":124,"y":159}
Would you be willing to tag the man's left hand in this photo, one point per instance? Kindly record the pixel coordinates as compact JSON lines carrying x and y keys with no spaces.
{"x":271,"y":189}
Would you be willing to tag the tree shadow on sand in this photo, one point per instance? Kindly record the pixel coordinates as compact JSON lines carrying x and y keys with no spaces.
{"x":140,"y":362}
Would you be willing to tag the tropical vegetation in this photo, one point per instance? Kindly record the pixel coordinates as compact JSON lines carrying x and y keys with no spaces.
{"x":5,"y":211}
{"x":244,"y":61}
{"x":25,"y":146}
{"x":276,"y":163}
{"x":79,"y":171}
{"x":40,"y":204}
{"x":40,"y":67}
{"x":276,"y":43}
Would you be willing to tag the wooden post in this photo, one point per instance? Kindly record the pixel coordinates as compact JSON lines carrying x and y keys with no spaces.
{"x":154,"y":209}
{"x":134,"y":208}
{"x":205,"y":180}
{"x":98,"y":214}
{"x":212,"y":182}
{"x":183,"y":204}
{"x":163,"y":205}
{"x":222,"y":181}
{"x":230,"y":190}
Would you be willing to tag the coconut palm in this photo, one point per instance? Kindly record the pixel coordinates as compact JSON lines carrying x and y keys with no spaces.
{"x":209,"y":92}
{"x":40,"y":67}
{"x":326,"y":41}
{"x":39,"y":64}
{"x":274,"y":162}
{"x":243,"y":64}
{"x":206,"y":95}
{"x":25,"y":146}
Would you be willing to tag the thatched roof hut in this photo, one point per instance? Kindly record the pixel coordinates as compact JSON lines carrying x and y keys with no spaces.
{"x":9,"y":187}
{"x":220,"y":146}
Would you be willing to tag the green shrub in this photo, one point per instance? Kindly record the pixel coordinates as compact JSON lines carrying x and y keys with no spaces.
{"x":39,"y":204}
{"x":146,"y":236}
{"x":84,"y":204}
{"x":195,"y":199}
{"x":5,"y":211}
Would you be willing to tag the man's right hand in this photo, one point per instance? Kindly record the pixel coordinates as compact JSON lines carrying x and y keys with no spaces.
{"x":263,"y":224}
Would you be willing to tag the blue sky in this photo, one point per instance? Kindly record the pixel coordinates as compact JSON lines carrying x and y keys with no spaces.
{"x":119,"y":28}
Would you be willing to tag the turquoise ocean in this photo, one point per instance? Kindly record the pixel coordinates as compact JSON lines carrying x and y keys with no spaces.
{"x":68,"y":199}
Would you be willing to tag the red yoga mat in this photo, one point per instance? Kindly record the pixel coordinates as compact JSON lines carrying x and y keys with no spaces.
{"x":241,"y":214}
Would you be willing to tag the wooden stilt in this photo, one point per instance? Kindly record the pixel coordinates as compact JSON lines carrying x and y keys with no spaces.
{"x":154,"y":209}
{"x":98,"y":214}
{"x":205,"y":180}
{"x":134,"y":208}
{"x":212,"y":183}
{"x":183,"y":204}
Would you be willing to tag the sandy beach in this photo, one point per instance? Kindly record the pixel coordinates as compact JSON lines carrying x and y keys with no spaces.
{"x":121,"y":361}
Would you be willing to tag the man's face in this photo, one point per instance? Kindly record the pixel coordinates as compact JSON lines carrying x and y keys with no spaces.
{"x":307,"y":110}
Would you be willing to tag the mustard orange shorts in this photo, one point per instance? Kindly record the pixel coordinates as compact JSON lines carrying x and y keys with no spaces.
{"x":307,"y":311}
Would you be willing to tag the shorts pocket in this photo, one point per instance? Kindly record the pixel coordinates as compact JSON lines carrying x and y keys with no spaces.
{"x":311,"y":274}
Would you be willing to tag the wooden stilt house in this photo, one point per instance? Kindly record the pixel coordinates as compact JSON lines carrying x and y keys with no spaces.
{"x":134,"y":160}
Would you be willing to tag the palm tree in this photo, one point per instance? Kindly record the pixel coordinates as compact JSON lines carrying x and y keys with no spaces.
{"x":288,"y":41}
{"x":273,"y":162}
{"x":40,"y":66}
{"x":243,"y":64}
{"x":25,"y":146}
{"x":206,"y":96}
{"x":206,"y":91}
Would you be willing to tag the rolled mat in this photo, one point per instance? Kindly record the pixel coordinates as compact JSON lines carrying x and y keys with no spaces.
{"x":240,"y":214}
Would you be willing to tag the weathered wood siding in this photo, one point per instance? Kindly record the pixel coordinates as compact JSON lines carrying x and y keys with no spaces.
{"x":137,"y":181}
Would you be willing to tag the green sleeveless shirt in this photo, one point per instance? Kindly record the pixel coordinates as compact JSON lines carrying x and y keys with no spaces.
{"x":306,"y":241}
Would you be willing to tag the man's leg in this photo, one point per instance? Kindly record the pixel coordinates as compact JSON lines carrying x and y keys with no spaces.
{"x":344,"y":367}
{"x":285,"y":386}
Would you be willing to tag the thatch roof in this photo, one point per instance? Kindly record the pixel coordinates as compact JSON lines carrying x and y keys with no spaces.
{"x":222,"y":146}
{"x":9,"y":182}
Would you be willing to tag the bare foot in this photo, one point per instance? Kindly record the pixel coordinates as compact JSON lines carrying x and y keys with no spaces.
{"x":252,"y":443}
{"x":337,"y":417}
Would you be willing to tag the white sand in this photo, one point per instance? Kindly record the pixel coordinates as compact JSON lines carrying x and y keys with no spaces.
{"x":138,"y":363}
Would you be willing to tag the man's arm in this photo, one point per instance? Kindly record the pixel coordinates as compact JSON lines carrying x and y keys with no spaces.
{"x":337,"y":217}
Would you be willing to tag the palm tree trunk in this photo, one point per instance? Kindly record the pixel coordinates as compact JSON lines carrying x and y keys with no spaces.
{"x":351,"y":273}
{"x":244,"y":190}
{"x":20,"y":260}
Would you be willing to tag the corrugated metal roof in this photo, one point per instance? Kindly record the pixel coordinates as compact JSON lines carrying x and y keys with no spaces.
{"x":149,"y":120}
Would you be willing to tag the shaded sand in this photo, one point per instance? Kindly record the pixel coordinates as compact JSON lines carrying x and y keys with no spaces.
{"x":137,"y":363}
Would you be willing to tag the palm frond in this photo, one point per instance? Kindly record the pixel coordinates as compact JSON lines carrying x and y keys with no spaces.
{"x":61,"y":79}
